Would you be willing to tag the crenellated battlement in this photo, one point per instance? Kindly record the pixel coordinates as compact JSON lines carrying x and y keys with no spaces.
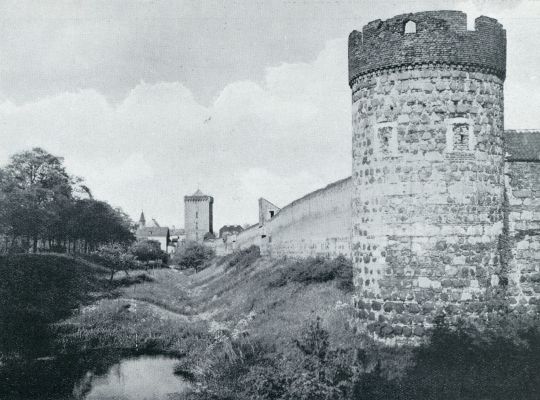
{"x":431,"y":37}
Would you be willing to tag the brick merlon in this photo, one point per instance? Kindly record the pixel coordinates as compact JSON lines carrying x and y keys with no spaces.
{"x":441,"y":38}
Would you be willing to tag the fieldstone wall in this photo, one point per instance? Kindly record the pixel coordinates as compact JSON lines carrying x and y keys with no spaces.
{"x":523,"y":201}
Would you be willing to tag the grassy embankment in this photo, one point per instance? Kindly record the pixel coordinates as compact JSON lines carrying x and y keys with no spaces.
{"x":179,"y":314}
{"x":239,"y":327}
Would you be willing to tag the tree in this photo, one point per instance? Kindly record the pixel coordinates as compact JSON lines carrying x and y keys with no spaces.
{"x":96,"y":222}
{"x":116,"y":258}
{"x":39,"y":200}
{"x":32,"y":184}
{"x":194,"y":255}
{"x":147,"y":250}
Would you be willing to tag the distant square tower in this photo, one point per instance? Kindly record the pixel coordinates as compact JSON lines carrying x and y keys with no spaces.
{"x":198,"y":216}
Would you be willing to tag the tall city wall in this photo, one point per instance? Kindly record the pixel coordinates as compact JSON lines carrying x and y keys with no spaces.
{"x":318,"y":224}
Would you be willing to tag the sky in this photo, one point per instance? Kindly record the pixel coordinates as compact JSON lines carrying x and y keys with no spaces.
{"x":150,"y":100}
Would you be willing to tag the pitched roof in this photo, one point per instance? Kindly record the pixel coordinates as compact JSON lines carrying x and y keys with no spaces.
{"x":152,"y":231}
{"x":522,"y":145}
{"x":198,"y":193}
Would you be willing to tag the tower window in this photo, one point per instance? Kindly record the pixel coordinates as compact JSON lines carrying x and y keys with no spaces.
{"x":386,"y":139}
{"x":461,"y":137}
{"x":272,"y":214}
{"x":196,"y":214}
{"x":410,"y":27}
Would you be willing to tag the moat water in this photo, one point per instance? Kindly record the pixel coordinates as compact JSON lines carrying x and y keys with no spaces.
{"x":139,"y":378}
{"x":92,"y":376}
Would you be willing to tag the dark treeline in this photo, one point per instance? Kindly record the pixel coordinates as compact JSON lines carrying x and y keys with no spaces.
{"x":43,"y":208}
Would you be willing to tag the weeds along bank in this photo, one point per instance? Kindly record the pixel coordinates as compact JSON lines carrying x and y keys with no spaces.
{"x":252,"y":327}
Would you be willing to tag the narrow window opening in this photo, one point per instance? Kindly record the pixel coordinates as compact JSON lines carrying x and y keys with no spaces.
{"x":196,"y":214}
{"x":271,"y":214}
{"x":385,"y":137}
{"x":410,"y":27}
{"x":461,"y":137}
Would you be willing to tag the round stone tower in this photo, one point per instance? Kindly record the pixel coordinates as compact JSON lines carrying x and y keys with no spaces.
{"x":427,"y":117}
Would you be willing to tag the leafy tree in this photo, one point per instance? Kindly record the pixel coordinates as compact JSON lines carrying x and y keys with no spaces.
{"x":194,"y":255}
{"x":39,"y":200}
{"x":147,"y":250}
{"x":96,"y":223}
{"x":116,"y":258}
{"x":32,"y":185}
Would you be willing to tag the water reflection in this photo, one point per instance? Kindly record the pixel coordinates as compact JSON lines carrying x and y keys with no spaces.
{"x":141,"y":378}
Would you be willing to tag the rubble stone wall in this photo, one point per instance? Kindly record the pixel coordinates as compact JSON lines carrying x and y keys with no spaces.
{"x":523,"y":220}
{"x":428,"y":183}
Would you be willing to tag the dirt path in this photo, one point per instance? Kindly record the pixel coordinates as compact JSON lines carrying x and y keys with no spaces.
{"x":157,"y":309}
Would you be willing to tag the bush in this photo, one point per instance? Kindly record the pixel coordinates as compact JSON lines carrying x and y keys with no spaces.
{"x":240,"y":259}
{"x":467,"y":363}
{"x":457,"y":363}
{"x":194,"y":255}
{"x":318,"y":270}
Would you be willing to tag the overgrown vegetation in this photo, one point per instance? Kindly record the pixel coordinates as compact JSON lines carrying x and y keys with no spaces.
{"x":461,"y":363}
{"x":318,"y":270}
{"x":36,"y":291}
{"x":241,"y":259}
{"x":194,"y":255}
{"x":252,"y":333}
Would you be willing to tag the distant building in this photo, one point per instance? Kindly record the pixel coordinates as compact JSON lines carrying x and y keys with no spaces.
{"x":267,"y":211}
{"x":227,"y":230}
{"x":198,"y":216}
{"x":178,"y":238}
{"x":153,"y":232}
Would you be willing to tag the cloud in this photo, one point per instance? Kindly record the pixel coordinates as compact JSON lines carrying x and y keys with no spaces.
{"x":279,"y":138}
{"x":277,"y":133}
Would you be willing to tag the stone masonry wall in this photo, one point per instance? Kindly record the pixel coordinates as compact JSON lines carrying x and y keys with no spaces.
{"x":523,"y":200}
{"x":427,"y":170}
{"x":428,"y":194}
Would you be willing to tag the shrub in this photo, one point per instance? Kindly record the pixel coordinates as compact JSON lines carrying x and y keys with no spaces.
{"x":457,"y":363}
{"x":240,"y":259}
{"x":194,"y":255}
{"x":467,"y":363}
{"x":317,"y":270}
